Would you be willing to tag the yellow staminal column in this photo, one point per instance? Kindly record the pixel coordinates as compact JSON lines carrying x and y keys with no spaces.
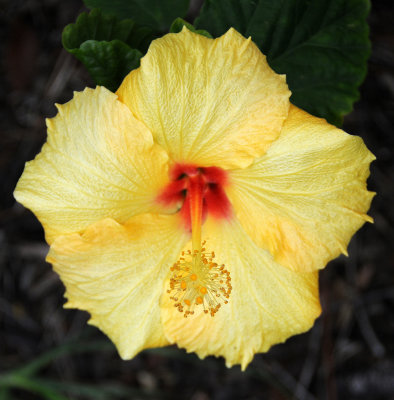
{"x":198,"y":282}
{"x":196,"y":196}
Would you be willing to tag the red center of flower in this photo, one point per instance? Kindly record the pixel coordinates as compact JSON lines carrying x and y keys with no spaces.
{"x":197,"y":189}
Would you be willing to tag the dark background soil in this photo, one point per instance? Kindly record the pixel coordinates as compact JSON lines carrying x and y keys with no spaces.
{"x":349,"y":354}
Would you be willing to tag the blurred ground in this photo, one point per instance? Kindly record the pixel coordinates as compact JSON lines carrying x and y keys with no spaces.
{"x":349,"y":354}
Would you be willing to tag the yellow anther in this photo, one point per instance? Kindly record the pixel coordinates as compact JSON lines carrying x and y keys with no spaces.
{"x":203,"y":290}
{"x":197,"y":282}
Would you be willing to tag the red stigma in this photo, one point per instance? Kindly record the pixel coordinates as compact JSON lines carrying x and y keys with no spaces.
{"x":215,"y":201}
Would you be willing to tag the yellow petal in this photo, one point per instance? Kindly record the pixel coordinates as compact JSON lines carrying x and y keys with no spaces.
{"x":268,"y":302}
{"x":208,"y":101}
{"x":98,"y":162}
{"x":305,"y":198}
{"x":117,"y":272}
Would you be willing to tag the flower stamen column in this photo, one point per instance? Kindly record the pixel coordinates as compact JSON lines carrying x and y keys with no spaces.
{"x":195,"y":189}
{"x":197,"y":279}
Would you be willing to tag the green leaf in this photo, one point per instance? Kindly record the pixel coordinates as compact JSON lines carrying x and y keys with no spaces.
{"x":156,"y":14}
{"x":66,"y":349}
{"x":218,"y":16}
{"x":106,"y":46}
{"x":101,"y":391}
{"x":108,"y":62}
{"x":100,"y":27}
{"x":179,"y":23}
{"x":31,"y":385}
{"x":4,"y":393}
{"x":321,"y":46}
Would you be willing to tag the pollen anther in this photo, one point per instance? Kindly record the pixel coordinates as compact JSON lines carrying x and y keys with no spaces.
{"x":198,"y":282}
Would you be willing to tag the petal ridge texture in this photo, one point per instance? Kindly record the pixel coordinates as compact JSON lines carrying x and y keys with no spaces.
{"x":305,"y":198}
{"x":117,"y":273}
{"x":98,"y":162}
{"x":208,"y":101}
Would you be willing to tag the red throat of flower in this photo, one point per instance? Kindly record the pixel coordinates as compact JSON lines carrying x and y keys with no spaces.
{"x":199,"y":191}
{"x":197,"y":280}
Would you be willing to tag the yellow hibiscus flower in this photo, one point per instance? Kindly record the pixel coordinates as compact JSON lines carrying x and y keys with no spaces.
{"x":196,"y":204}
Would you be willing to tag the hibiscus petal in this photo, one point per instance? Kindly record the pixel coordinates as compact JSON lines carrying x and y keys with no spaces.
{"x":305,"y":198}
{"x":208,"y":101}
{"x":117,"y":273}
{"x":98,"y":162}
{"x":268,"y":302}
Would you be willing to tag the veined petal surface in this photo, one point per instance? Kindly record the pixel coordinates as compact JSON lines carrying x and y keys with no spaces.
{"x":98,"y":162}
{"x":305,"y":198}
{"x":117,"y":273}
{"x":208,"y":101}
{"x":268,"y":302}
